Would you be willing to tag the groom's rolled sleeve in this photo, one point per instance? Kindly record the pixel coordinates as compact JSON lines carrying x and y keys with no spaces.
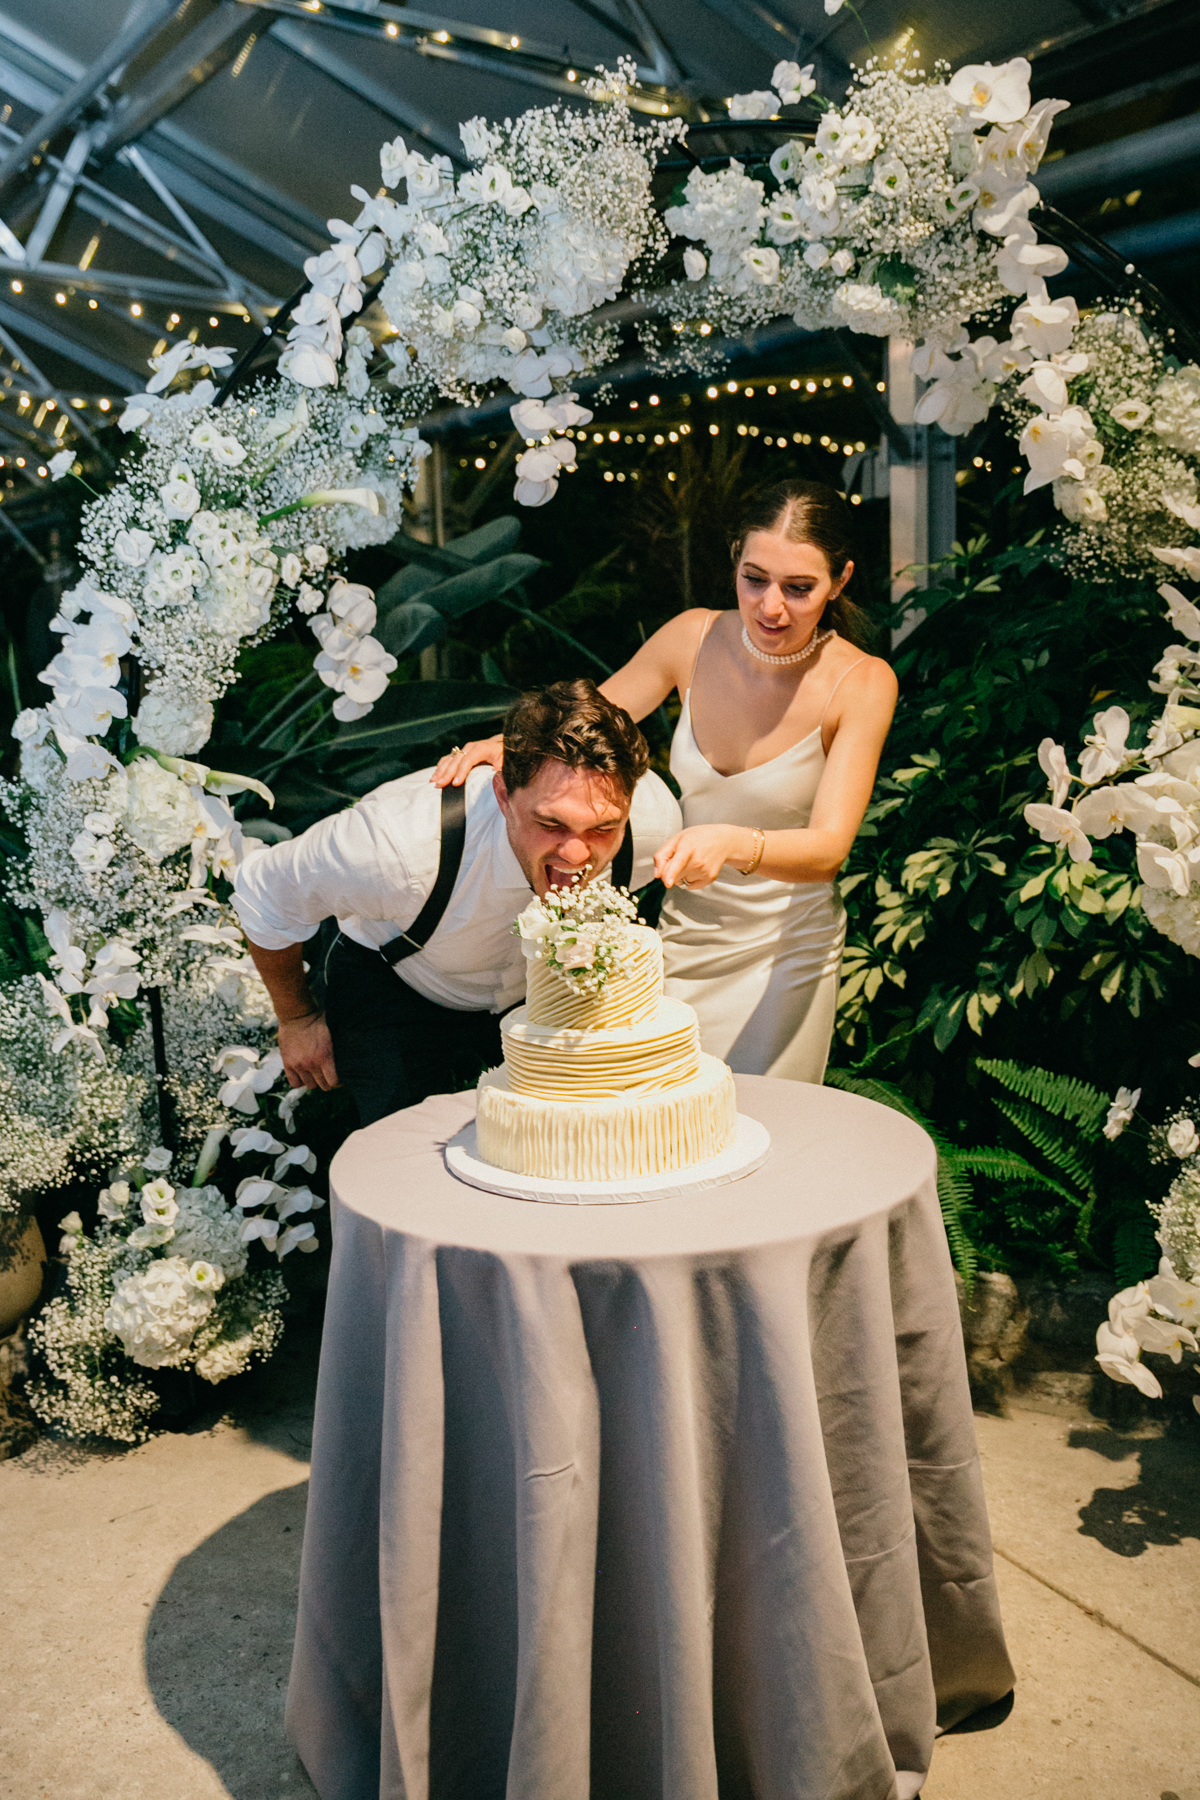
{"x":345,"y":866}
{"x":654,"y":816}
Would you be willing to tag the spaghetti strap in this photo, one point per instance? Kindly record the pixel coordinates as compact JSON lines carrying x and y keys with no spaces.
{"x":699,"y":647}
{"x":837,"y":684}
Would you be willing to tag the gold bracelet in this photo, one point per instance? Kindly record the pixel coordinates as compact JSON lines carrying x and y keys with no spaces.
{"x":759,"y":847}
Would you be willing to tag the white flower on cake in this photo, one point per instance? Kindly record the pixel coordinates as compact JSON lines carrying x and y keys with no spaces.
{"x":580,"y":932}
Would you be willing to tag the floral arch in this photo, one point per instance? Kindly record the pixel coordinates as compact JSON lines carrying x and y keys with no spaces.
{"x":905,"y":210}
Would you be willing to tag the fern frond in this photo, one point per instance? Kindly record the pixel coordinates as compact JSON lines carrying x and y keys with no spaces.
{"x":1060,"y":1095}
{"x":1006,"y":1165}
{"x":1044,"y":1136}
{"x":953,"y":1187}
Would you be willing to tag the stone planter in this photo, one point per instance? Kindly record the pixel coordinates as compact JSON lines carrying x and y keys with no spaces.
{"x":22,"y":1267}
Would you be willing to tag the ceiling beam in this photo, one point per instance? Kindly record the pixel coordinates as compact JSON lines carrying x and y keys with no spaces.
{"x":138,"y":32}
{"x":757,"y":22}
{"x":59,"y":197}
{"x":25,"y":326}
{"x":1178,"y":141}
{"x":116,"y":281}
{"x":203,"y":53}
{"x":315,"y":48}
{"x":48,"y":390}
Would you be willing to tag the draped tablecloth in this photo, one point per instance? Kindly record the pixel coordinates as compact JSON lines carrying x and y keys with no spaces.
{"x":668,"y":1501}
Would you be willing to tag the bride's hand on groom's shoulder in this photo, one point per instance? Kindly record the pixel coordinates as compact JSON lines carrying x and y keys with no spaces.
{"x":452,"y":769}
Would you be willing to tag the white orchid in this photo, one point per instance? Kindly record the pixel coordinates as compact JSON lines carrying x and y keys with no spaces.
{"x":1184,"y":616}
{"x":1121,"y":1111}
{"x":246,"y":1076}
{"x":1106,"y":750}
{"x":998,"y":96}
{"x":1055,"y":826}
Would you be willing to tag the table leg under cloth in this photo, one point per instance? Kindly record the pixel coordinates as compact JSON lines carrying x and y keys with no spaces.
{"x":680,"y":1524}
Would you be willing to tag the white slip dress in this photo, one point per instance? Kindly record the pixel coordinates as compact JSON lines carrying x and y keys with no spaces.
{"x":758,"y":959}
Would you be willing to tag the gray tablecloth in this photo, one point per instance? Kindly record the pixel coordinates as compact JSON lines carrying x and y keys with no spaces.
{"x":671,"y":1501}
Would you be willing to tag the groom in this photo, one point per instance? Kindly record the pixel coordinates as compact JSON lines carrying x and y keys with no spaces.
{"x":425,"y":885}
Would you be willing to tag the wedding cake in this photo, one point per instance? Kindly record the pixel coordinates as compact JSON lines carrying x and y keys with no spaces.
{"x":603,"y":1076}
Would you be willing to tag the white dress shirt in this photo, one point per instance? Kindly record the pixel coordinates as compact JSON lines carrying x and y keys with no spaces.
{"x":373,"y":867}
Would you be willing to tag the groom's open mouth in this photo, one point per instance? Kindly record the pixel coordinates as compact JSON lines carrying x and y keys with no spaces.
{"x":563,"y":878}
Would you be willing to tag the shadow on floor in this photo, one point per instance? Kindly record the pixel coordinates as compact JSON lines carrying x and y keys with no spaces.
{"x":219,"y":1645}
{"x":1162,"y":1507}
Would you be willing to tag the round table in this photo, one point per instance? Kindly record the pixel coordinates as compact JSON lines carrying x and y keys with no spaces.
{"x":670,"y":1501}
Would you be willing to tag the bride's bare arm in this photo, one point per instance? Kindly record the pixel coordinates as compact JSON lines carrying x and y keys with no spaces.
{"x":697,"y":855}
{"x":664,"y":662}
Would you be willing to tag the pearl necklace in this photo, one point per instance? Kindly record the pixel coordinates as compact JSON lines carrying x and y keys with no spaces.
{"x":814,"y":643}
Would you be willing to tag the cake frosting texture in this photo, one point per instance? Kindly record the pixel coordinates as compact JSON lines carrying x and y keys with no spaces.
{"x":604,"y":1086}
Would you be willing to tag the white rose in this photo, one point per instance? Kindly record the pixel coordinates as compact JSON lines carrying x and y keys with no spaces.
{"x":132,"y":547}
{"x":180,"y":498}
{"x":1183,"y":1137}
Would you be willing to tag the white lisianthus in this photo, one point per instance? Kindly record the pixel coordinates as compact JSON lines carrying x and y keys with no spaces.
{"x":762,"y":264}
{"x":132,"y":547}
{"x":816,"y":255}
{"x":180,"y":497}
{"x":1130,"y":413}
{"x":92,"y":853}
{"x":695,"y":264}
{"x":785,"y":221}
{"x":760,"y":104}
{"x":792,"y":83}
{"x":890,"y":178}
{"x":61,"y":464}
{"x":290,"y":570}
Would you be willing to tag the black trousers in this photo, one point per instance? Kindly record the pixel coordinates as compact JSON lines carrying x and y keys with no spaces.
{"x":391,"y":1045}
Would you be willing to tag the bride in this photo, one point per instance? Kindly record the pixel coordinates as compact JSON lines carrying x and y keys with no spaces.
{"x":783,"y":720}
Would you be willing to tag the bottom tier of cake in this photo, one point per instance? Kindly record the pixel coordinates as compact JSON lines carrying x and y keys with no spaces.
{"x":606,"y":1140}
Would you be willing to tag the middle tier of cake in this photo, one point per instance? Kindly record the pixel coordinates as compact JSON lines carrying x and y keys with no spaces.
{"x":560,"y":1064}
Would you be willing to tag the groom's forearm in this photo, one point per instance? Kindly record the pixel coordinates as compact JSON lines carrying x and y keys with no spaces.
{"x":285,"y":980}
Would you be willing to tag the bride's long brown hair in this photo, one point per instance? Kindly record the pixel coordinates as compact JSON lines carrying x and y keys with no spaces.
{"x":811,"y":512}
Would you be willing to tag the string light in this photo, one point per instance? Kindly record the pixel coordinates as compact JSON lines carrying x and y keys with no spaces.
{"x":92,"y":305}
{"x":17,"y":287}
{"x":60,"y":299}
{"x":136,"y":309}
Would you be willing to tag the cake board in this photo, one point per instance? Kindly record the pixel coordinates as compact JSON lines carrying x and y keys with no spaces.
{"x":748,"y":1151}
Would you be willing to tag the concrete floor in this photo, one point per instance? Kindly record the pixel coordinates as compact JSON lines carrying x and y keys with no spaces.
{"x":148,"y":1603}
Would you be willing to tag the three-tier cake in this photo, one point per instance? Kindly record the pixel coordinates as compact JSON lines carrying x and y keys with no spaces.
{"x":603,"y":1076}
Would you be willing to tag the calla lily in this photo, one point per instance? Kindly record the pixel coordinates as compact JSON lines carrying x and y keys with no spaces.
{"x":364,"y":496}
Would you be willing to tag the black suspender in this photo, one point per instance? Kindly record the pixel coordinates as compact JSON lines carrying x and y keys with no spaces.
{"x":454,"y":836}
{"x":622,"y":862}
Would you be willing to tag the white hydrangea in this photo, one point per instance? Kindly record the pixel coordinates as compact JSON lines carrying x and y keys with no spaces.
{"x":207,"y":1230}
{"x":166,"y":722}
{"x":157,"y":1312}
{"x":160,"y":811}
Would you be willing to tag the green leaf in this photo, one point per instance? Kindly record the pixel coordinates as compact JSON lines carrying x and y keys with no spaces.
{"x":1060,"y":1095}
{"x":405,"y":586}
{"x":411,"y":627}
{"x":895,"y":278}
{"x":418,"y":712}
{"x":474,"y":587}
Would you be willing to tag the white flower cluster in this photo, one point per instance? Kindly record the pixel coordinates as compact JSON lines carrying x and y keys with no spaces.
{"x":1160,"y":807}
{"x":493,"y":276}
{"x":60,"y":1118}
{"x":1158,"y":1315}
{"x":1103,"y":412}
{"x":581,"y":932}
{"x":908,"y":214}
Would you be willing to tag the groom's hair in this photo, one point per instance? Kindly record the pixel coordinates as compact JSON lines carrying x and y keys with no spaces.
{"x":571,"y":722}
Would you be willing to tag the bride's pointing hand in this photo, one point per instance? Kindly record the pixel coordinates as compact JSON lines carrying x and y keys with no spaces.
{"x":452,"y":770}
{"x":695,"y":857}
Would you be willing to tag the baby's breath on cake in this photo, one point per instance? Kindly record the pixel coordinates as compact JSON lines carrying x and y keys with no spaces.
{"x":580,"y":932}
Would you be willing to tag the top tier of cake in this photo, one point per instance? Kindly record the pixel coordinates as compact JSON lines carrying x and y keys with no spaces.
{"x":630,"y":998}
